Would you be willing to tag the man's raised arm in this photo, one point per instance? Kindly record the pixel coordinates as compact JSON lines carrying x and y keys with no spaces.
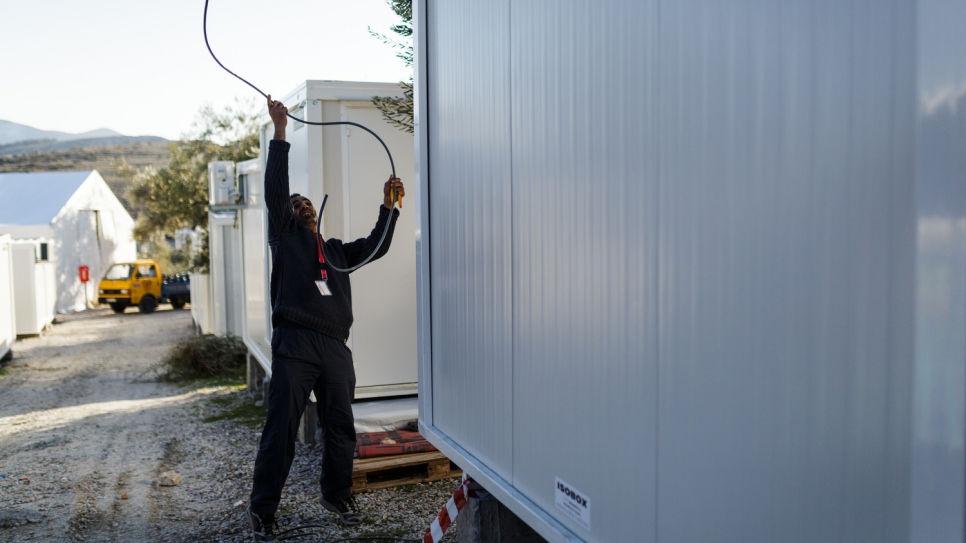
{"x":281,"y":220}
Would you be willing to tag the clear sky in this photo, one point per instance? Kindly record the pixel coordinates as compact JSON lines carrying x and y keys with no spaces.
{"x":141,"y":68}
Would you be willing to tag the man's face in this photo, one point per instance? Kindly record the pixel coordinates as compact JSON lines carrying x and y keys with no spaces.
{"x":305,"y":212}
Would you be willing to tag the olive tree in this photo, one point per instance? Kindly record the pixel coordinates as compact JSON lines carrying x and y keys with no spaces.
{"x":175,"y":197}
{"x":399,"y":111}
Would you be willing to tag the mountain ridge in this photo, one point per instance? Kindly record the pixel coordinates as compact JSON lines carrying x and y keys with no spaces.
{"x":11,"y":132}
{"x":109,"y":160}
{"x":49,"y":144}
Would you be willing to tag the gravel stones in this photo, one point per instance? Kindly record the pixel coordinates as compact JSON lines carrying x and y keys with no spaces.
{"x":169,"y":478}
{"x":18,"y":517}
{"x":93,"y":436}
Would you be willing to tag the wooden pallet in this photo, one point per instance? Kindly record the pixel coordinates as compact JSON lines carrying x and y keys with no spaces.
{"x":404,"y":469}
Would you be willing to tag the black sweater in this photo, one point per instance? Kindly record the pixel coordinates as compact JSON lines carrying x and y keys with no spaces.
{"x":295,"y":261}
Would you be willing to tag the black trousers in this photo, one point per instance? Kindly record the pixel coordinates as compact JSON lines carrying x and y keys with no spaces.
{"x":303,"y":361}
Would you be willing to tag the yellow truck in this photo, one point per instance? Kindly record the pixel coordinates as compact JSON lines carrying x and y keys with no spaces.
{"x":140,"y":283}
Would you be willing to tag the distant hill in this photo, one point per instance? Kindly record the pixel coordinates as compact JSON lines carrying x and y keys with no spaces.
{"x":102,"y":159}
{"x":11,"y":132}
{"x":50,"y":144}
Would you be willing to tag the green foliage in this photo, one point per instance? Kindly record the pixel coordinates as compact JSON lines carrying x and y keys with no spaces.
{"x":234,"y":383}
{"x":244,"y":412}
{"x":399,"y":111}
{"x":404,"y":9}
{"x":203,"y":357}
{"x":176,"y":196}
{"x":171,"y":260}
{"x":201,"y":256}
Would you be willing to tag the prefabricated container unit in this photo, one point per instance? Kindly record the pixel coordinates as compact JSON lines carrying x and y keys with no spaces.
{"x":225,"y":250}
{"x":8,"y":317}
{"x":350,"y":166}
{"x":696,"y":270}
{"x":35,"y":285}
{"x":256,"y":264}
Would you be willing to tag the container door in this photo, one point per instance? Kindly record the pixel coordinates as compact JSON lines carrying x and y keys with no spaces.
{"x":233,"y":293}
{"x":256,"y":259}
{"x":383,"y":336}
{"x":25,"y":297}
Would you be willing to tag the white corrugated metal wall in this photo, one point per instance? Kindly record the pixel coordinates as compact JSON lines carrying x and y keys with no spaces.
{"x":201,"y":312}
{"x":786,"y":225}
{"x":471,"y":220}
{"x":8,"y":329}
{"x":227,"y":274}
{"x":667,"y":256}
{"x":939,"y":426}
{"x":257,"y":260}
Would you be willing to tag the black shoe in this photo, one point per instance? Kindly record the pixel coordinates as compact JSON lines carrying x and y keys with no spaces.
{"x":263,"y":526}
{"x":347,"y":510}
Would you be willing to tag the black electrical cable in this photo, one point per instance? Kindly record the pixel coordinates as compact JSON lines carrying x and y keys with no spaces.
{"x":323,"y":534}
{"x":392,"y":164}
{"x":373,"y":538}
{"x":318,"y":530}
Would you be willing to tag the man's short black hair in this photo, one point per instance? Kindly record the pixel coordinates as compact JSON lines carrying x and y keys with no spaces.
{"x":295,"y":195}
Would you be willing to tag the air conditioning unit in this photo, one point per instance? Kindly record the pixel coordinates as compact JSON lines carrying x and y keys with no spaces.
{"x":222,"y":191}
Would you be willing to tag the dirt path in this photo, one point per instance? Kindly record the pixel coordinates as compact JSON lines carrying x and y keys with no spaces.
{"x":76,"y":421}
{"x":92,"y":438}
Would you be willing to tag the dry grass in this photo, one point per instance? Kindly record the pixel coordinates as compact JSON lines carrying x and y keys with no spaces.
{"x":203,"y":357}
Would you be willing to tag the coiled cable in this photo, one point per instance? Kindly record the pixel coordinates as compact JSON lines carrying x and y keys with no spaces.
{"x":392,"y":164}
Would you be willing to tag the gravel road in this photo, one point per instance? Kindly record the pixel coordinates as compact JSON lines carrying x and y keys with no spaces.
{"x":85,"y":439}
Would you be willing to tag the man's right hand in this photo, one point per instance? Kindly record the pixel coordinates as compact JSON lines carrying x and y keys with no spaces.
{"x":278,"y":113}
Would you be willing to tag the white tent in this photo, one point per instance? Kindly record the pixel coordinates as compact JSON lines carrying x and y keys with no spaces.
{"x":78,"y":211}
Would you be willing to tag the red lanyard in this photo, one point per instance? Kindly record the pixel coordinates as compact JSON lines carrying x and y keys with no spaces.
{"x":318,"y":247}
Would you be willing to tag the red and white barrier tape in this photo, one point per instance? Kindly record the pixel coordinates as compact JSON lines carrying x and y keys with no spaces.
{"x":450,"y":511}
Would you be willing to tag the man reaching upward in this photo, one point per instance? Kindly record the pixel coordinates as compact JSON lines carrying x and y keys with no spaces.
{"x":311,"y":317}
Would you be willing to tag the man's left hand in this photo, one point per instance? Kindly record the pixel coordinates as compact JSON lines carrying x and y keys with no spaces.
{"x":393,"y":183}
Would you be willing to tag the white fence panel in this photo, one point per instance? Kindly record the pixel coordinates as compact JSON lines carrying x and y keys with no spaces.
{"x":8,"y":328}
{"x":201,"y":302}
